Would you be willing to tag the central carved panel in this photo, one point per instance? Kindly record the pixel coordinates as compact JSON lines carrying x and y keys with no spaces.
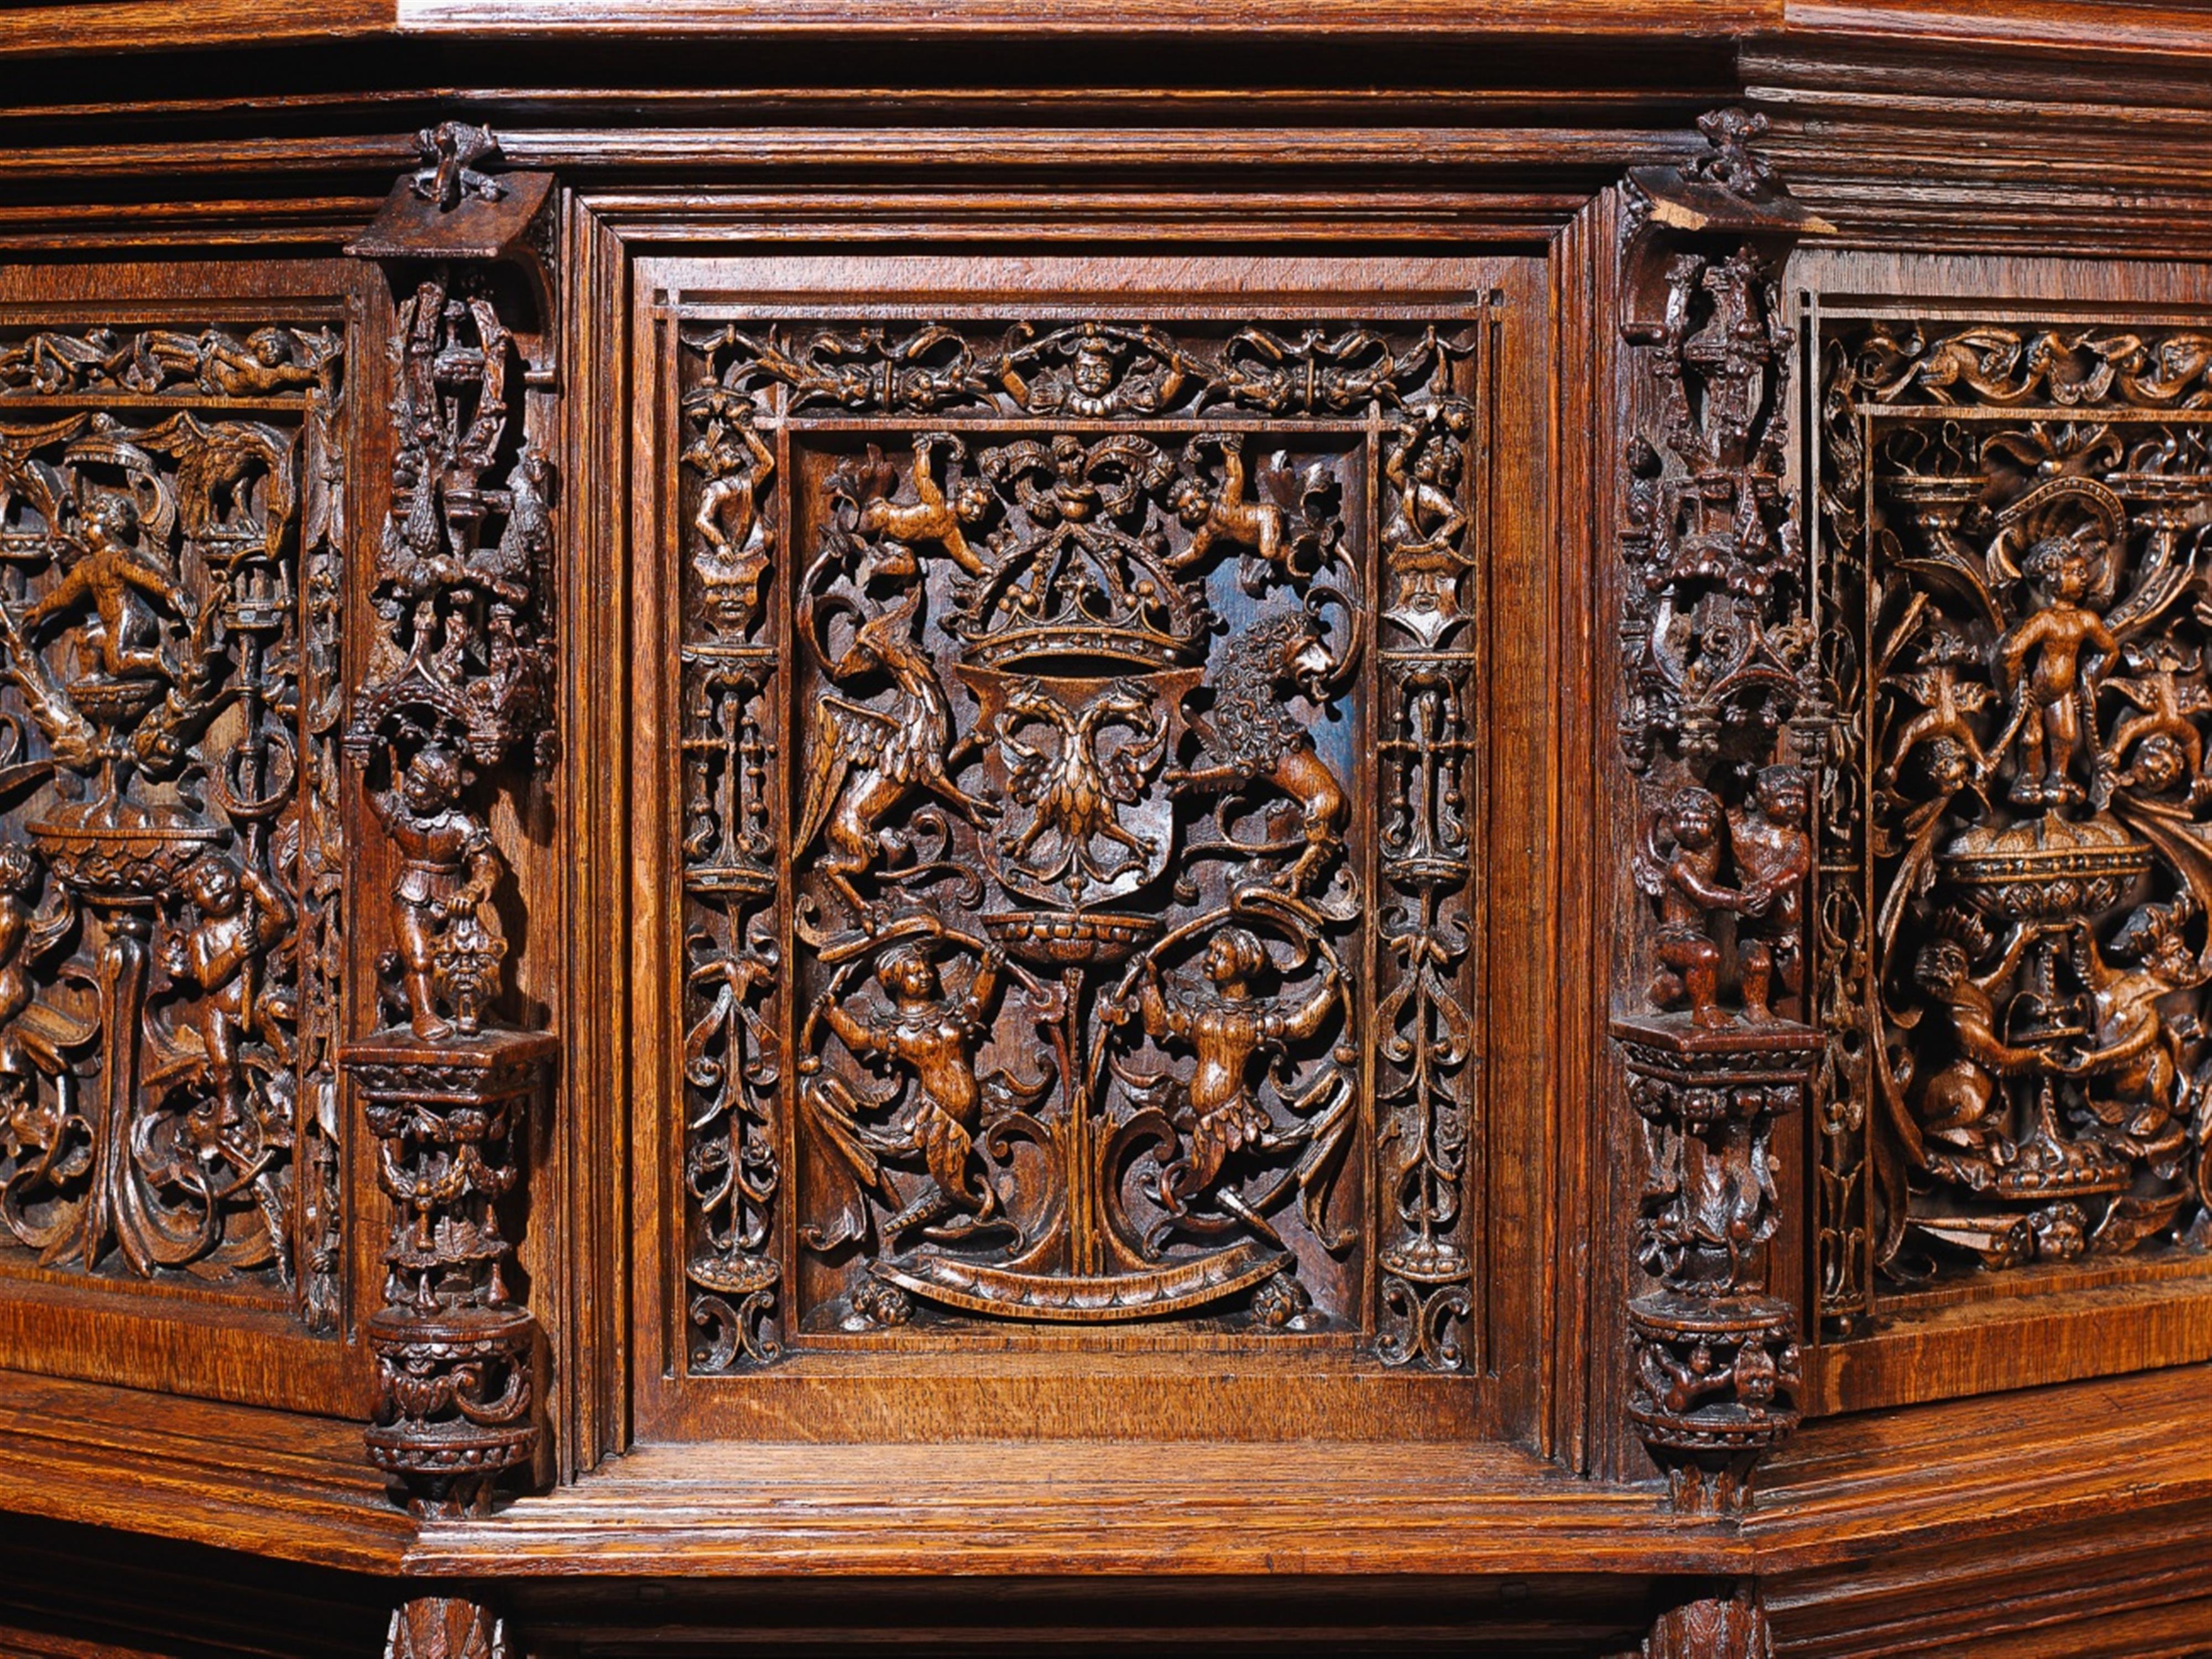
{"x":1052,"y":955}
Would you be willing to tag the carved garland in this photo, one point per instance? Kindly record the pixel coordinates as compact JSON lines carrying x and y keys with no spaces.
{"x":456,"y":691}
{"x":170,"y":849}
{"x":1065,"y":990}
{"x":1722,"y":717}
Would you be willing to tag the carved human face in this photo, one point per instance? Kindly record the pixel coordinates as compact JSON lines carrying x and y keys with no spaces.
{"x":970,"y":502}
{"x":1190,"y":503}
{"x":433,"y":782}
{"x":1942,"y":966}
{"x":214,"y":887}
{"x":1783,"y":799}
{"x":1696,"y":821}
{"x":1093,"y":370}
{"x":2160,"y":763}
{"x":911,"y":978}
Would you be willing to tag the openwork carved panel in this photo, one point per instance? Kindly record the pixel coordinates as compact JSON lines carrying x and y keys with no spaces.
{"x":171,"y":860}
{"x":1076,"y":781}
{"x":2012,"y":953}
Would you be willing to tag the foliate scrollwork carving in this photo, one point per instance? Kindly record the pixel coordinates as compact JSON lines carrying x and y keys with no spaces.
{"x":1060,"y":905}
{"x":1724,"y":726}
{"x":2026,"y":584}
{"x":170,"y":844}
{"x":454,"y":702}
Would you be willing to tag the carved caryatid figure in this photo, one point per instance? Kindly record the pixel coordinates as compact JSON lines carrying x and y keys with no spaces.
{"x":1773,"y":848}
{"x":734,"y":464}
{"x":934,"y":515}
{"x":862,"y":764}
{"x":450,"y":867}
{"x":1253,"y":737}
{"x":931,"y":1036}
{"x":1226,"y":1029}
{"x":2049,"y":696}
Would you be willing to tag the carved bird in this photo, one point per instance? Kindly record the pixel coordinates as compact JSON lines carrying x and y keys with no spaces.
{"x":1073,"y":788}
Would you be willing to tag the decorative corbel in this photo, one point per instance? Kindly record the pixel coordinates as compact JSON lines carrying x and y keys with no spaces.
{"x":1720,"y":723}
{"x":455,"y":704}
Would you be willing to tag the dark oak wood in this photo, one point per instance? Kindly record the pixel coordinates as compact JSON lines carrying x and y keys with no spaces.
{"x":978,"y":827}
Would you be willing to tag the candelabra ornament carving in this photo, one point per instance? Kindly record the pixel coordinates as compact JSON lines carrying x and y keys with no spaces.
{"x":171,"y":852}
{"x":1723,"y":728}
{"x":2013,"y":547}
{"x":454,"y":702}
{"x":1026,"y":888}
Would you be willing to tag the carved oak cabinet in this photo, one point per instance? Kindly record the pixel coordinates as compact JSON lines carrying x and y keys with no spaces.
{"x":956,"y":827}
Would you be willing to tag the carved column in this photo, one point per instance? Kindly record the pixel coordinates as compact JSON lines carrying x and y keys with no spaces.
{"x":1720,"y":722}
{"x":455,"y":703}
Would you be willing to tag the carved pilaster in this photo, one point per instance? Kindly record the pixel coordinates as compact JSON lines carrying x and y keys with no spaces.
{"x":1713,"y":1627}
{"x":1722,"y":722}
{"x":456,"y":702}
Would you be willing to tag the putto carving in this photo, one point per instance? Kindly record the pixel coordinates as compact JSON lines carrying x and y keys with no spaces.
{"x":1721,"y":710}
{"x":170,"y":847}
{"x":1064,"y":922}
{"x":454,"y":702}
{"x":2025,"y":593}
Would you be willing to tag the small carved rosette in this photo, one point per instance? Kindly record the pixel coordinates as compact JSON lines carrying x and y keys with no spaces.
{"x":171,"y":856}
{"x":2017,"y":875}
{"x":1032,"y":677}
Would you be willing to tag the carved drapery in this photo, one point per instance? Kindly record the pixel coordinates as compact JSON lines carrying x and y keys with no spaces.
{"x":2014,"y":527}
{"x":1723,"y":718}
{"x":453,"y":704}
{"x":1051,"y":659}
{"x":171,"y":856}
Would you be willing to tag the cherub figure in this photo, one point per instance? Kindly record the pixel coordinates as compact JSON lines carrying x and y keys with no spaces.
{"x":267,"y":360}
{"x":243,"y":917}
{"x":1425,"y":458}
{"x":1223,"y":513}
{"x":450,"y":869}
{"x":931,"y":517}
{"x":31,"y":1034}
{"x":1946,"y":700}
{"x":934,"y":1036}
{"x":2048,"y":702}
{"x":1226,"y":1027}
{"x":2135,"y":1069}
{"x":1686,"y":883}
{"x":117,"y":580}
{"x":1773,"y":849}
{"x":1961,"y":1104}
{"x":2161,"y":737}
{"x":736,"y":464}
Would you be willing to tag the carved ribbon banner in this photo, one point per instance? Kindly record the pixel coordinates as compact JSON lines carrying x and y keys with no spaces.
{"x":171,"y":855}
{"x":1032,"y":675}
{"x":2015,"y":518}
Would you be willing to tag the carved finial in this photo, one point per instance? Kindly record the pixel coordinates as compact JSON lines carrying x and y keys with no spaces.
{"x":1731,"y":164}
{"x":454,"y":158}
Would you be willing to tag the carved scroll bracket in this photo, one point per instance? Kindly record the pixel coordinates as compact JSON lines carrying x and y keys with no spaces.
{"x":1720,"y":720}
{"x":455,"y":705}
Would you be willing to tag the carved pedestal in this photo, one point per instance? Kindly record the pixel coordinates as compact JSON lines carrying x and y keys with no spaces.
{"x":1715,"y":1360}
{"x":457,"y":1402}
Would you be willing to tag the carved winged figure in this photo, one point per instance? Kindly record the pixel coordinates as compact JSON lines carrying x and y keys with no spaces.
{"x":1074,"y":788}
{"x":862,"y":764}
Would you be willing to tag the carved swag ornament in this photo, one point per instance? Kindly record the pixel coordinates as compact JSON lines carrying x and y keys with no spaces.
{"x":171,"y":856}
{"x":2017,"y":868}
{"x":1722,"y":724}
{"x":455,"y":701}
{"x":1030,"y":676}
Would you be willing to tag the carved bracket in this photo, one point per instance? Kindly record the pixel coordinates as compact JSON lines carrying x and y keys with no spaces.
{"x":456,"y":700}
{"x":1721,"y":715}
